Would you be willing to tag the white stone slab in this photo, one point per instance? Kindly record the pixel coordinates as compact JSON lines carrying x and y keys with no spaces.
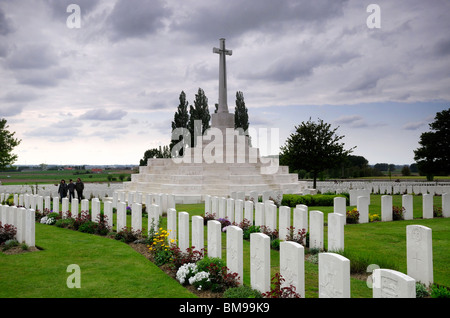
{"x":388,"y":283}
{"x":336,"y":231}
{"x":334,"y":276}
{"x":260,"y":262}
{"x":214,"y":239}
{"x":419,"y":253}
{"x":235,"y":261}
{"x":292,"y":266}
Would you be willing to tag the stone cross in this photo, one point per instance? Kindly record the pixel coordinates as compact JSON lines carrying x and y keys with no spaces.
{"x":223,"y":107}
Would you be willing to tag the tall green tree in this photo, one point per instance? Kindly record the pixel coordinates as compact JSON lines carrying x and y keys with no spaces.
{"x":240,"y":112}
{"x":433,"y":155}
{"x":199,"y":111}
{"x":313,"y":147}
{"x":7,"y":144}
{"x":180,"y":119}
{"x":163,"y":152}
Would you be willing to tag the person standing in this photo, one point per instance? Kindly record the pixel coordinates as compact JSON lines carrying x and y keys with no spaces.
{"x":79,"y":186}
{"x":62,"y":189}
{"x":71,"y":188}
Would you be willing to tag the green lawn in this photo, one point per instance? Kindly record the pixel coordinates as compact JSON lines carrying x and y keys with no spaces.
{"x":110,"y":268}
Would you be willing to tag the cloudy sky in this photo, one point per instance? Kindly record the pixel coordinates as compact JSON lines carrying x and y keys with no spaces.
{"x":107,"y":91}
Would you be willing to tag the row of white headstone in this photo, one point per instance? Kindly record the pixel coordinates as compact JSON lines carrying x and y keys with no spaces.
{"x":334,"y":269}
{"x":384,"y":187}
{"x":23,"y":220}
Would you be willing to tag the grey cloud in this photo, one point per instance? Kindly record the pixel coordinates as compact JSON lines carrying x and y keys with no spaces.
{"x":354,"y":121}
{"x":442,"y":48}
{"x":43,"y":78}
{"x":32,"y":56}
{"x":233,"y":18}
{"x":102,"y":114}
{"x":413,"y":125}
{"x":5,"y":24}
{"x":136,"y":18}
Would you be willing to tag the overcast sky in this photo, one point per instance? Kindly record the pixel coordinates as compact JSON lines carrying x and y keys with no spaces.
{"x":107,"y":91}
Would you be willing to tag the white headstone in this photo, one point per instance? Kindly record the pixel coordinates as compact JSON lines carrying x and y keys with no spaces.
{"x":419,"y":253}
{"x":284,"y":222}
{"x":171,"y":224}
{"x":316,"y":229}
{"x":260,"y":262}
{"x":153,"y":217}
{"x":121,"y":215}
{"x":96,"y":210}
{"x":340,"y":205}
{"x":198,"y":237}
{"x":85,"y":205}
{"x":222,"y":207}
{"x":74,"y":208}
{"x":446,"y":205}
{"x":238,"y":211}
{"x":207,"y":204}
{"x":292,"y":266}
{"x":270,"y":212}
{"x":30,"y":227}
{"x":21,"y":224}
{"x":171,"y":202}
{"x":108,"y":211}
{"x":248,"y":214}
{"x":230,"y":209}
{"x":235,"y":262}
{"x":136,"y":217}
{"x":427,"y":204}
{"x":259,"y":214}
{"x":336,"y":232}
{"x":334,"y":276}
{"x":386,"y":208}
{"x":407,"y":204}
{"x":183,"y":231}
{"x":300,"y":220}
{"x":388,"y":283}
{"x":55,"y":204}
{"x":363,"y":209}
{"x":214,"y":239}
{"x":215,"y":206}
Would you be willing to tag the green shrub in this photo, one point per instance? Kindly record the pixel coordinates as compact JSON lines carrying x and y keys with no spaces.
{"x":65,"y":223}
{"x":242,"y":291}
{"x":88,"y":227}
{"x":352,"y":216}
{"x":292,"y":200}
{"x":421,"y":291}
{"x":438,"y":291}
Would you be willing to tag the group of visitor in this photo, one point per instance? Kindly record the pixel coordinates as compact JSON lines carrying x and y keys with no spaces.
{"x":70,"y":188}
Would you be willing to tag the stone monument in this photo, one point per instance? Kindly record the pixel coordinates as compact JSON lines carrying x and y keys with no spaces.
{"x":222,"y":162}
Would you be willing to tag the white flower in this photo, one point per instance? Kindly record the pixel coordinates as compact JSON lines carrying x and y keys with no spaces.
{"x":186,"y":271}
{"x":199,"y":277}
{"x":44,"y":219}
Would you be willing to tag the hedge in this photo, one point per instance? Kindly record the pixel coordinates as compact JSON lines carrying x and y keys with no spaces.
{"x":292,"y":200}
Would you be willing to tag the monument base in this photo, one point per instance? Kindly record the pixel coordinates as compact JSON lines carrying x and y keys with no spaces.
{"x":222,"y":120}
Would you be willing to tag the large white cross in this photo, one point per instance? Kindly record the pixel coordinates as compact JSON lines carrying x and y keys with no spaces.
{"x":223,"y":106}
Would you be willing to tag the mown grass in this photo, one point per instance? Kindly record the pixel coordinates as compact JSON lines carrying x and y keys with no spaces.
{"x":111,"y":268}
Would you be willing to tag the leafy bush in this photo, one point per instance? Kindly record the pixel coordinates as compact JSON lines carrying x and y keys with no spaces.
{"x":242,"y":291}
{"x":374,"y":218}
{"x":88,"y":227}
{"x":276,"y":291}
{"x":207,"y":217}
{"x":437,"y":211}
{"x":421,"y":291}
{"x":248,"y":228}
{"x":352,"y":216}
{"x":299,"y":237}
{"x":160,"y":247}
{"x":7,"y":232}
{"x":438,"y":291}
{"x":64,"y":223}
{"x":292,"y":200}
{"x":128,"y":235}
{"x":190,"y":256}
{"x":397,"y":213}
{"x":9,"y":244}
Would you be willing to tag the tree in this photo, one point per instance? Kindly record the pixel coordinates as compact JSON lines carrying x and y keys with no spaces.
{"x":199,"y":111}
{"x":240,"y":112}
{"x":180,"y":119}
{"x":7,"y":144}
{"x":163,"y":152}
{"x":313,"y":147}
{"x":433,"y":155}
